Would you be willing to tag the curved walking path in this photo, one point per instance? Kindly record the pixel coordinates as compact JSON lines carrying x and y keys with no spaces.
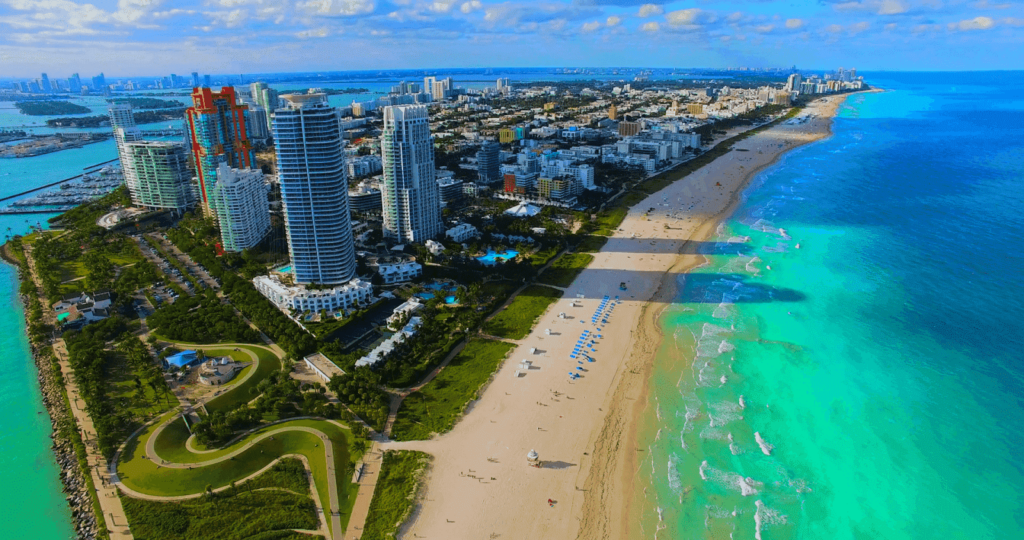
{"x":150,"y":454}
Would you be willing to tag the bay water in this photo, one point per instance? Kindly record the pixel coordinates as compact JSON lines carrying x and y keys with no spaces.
{"x":848,"y":364}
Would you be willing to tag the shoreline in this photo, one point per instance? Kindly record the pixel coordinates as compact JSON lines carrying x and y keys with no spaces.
{"x":584,"y":429}
{"x":74,"y":480}
{"x":626,"y":463}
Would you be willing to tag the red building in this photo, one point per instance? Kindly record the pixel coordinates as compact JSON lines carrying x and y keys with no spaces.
{"x":510,"y":183}
{"x":216,"y":124}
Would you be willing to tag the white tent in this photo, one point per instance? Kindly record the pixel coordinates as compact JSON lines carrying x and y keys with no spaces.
{"x":523,"y":210}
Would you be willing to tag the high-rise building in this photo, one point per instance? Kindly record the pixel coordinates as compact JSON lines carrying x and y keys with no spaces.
{"x":122,"y":123}
{"x":243,"y":213}
{"x":314,"y":189}
{"x":195,"y":79}
{"x":439,"y":89}
{"x":793,"y":83}
{"x":99,"y":83}
{"x":613,"y":112}
{"x":217,"y":126}
{"x":75,"y":83}
{"x":267,"y":98}
{"x":162,"y":176}
{"x":412,"y":207}
{"x":44,"y":84}
{"x":258,"y":129}
{"x":488,"y":160}
{"x":206,"y":81}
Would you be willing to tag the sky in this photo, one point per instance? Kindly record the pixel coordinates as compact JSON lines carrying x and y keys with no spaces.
{"x":157,"y":37}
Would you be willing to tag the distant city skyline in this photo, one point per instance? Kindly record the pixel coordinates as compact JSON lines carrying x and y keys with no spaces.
{"x":136,"y":37}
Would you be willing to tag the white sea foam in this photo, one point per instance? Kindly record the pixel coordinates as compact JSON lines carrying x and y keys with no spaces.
{"x":725,"y":346}
{"x":752,"y":265}
{"x":765,"y":516}
{"x":730,"y":480}
{"x":712,"y":330}
{"x":724,"y":379}
{"x":674,"y":482}
{"x":738,"y":239}
{"x":743,"y":404}
{"x":765,"y":447}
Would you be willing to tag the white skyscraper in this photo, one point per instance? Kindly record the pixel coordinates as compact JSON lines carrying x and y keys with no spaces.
{"x":161,"y":173}
{"x":122,"y":122}
{"x":240,"y":195}
{"x":412,"y":206}
{"x":314,"y":188}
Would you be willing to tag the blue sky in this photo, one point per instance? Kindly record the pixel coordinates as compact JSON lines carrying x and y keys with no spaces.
{"x":151,"y":37}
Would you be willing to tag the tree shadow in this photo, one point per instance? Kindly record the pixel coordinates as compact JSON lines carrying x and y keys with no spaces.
{"x":558,"y":465}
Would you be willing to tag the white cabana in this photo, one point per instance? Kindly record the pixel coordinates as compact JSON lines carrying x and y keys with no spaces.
{"x":523,"y":210}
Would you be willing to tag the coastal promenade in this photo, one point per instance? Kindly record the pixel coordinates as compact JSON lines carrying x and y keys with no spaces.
{"x":480,"y":483}
{"x":106,"y":492}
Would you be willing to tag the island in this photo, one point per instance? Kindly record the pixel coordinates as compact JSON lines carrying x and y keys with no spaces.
{"x":141,"y":117}
{"x":48,"y":108}
{"x":147,"y":103}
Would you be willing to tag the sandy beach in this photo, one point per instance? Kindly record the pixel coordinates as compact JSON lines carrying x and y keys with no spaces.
{"x":479,"y":484}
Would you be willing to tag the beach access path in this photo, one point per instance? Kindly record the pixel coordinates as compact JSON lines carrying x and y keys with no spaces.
{"x":113,"y":512}
{"x":479,"y":482}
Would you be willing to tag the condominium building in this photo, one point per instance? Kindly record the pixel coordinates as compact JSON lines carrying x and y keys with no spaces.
{"x":243,"y":213}
{"x":122,"y":123}
{"x":162,"y":176}
{"x":412,"y":206}
{"x":314,"y":189}
{"x":489,"y":162}
{"x":218,"y":130}
{"x":266,"y":98}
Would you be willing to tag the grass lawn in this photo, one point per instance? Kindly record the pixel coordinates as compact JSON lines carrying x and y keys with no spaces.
{"x":145,"y":476}
{"x":239,"y":393}
{"x":259,"y":508}
{"x":395,"y":494}
{"x":565,"y":269}
{"x":542,"y":257}
{"x":170,"y":446}
{"x":516,"y":320}
{"x":439,"y":404}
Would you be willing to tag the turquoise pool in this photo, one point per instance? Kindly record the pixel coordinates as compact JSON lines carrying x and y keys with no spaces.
{"x":285,"y":269}
{"x":492,"y":257}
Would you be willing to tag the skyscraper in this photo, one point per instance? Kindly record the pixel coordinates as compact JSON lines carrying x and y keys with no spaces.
{"x":99,"y":83}
{"x":44,"y":84}
{"x":162,"y":175}
{"x":195,"y":79}
{"x":122,"y":123}
{"x":314,"y":189}
{"x":75,"y":83}
{"x":265,"y":97}
{"x":412,"y":208}
{"x":488,"y":160}
{"x":793,"y":83}
{"x":218,"y":132}
{"x":240,"y":195}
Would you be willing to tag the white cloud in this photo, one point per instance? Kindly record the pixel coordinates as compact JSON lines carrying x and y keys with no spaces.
{"x":650,"y":27}
{"x":1012,"y":21}
{"x":172,"y":13}
{"x":313,"y":33}
{"x":613,"y":21}
{"x":230,"y":19}
{"x":859,"y":27}
{"x":689,"y":17}
{"x":130,"y":11}
{"x":891,"y":26}
{"x":344,"y":8}
{"x":892,"y":7}
{"x":591,"y":26}
{"x":736,"y":16}
{"x":977,"y":23}
{"x":984,"y":4}
{"x":469,"y":7}
{"x":764,"y":28}
{"x":834,"y":28}
{"x":649,"y":10}
{"x":793,"y":24}
{"x":442,"y":6}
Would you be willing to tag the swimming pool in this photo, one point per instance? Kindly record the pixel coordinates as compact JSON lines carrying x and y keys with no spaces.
{"x":449,"y":299}
{"x":285,"y":269}
{"x":492,"y":257}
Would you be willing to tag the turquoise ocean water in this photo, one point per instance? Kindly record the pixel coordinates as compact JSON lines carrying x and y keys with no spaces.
{"x":33,"y":500}
{"x":879,"y":359}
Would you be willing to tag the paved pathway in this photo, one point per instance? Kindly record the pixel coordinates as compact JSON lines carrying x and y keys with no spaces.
{"x":332,"y":486}
{"x":110,"y":504}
